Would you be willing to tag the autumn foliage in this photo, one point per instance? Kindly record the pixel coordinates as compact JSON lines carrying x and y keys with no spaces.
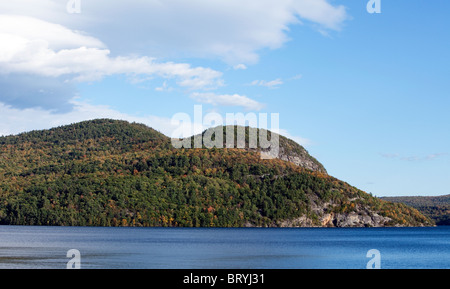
{"x":113,"y":173}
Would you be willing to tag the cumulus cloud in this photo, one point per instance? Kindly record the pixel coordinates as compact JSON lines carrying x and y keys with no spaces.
{"x":62,"y":52}
{"x":232,"y":30}
{"x":23,"y":29}
{"x":45,"y":51}
{"x":227,"y":100}
{"x":40,"y":61}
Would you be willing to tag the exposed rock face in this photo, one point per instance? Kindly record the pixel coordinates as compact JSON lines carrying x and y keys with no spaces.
{"x":359,"y":216}
{"x":353,"y":219}
{"x":356,"y":220}
{"x":301,"y":158}
{"x":324,"y":216}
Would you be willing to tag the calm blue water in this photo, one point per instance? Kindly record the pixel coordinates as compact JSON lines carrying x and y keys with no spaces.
{"x":46,"y":247}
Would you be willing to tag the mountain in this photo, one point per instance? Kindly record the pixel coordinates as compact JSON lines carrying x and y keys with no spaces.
{"x":114,"y":173}
{"x":437,"y":207}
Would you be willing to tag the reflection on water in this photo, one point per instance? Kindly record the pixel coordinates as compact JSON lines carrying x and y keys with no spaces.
{"x":252,"y":248}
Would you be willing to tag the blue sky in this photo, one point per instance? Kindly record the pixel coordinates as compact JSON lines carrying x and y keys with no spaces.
{"x":366,"y":94}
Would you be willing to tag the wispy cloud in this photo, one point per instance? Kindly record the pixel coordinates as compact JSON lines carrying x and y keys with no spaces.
{"x":389,"y":156}
{"x":276,"y":83}
{"x":269,"y":84}
{"x":164,"y":87}
{"x":240,"y":67}
{"x":413,"y":158}
{"x":434,"y":156}
{"x":227,"y":100}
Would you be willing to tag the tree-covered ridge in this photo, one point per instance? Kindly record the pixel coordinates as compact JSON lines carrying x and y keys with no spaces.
{"x":435,"y":207}
{"x":112,"y":173}
{"x":122,"y":132}
{"x":249,"y":138}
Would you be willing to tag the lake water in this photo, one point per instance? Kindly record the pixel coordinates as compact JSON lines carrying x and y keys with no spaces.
{"x":246,"y":248}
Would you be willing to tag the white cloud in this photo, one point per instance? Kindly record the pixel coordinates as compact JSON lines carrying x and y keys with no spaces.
{"x":240,"y":67}
{"x":232,"y":30}
{"x":321,"y":12}
{"x":269,"y":84}
{"x":227,"y":100}
{"x":33,"y":46}
{"x":39,"y":38}
{"x":29,"y":29}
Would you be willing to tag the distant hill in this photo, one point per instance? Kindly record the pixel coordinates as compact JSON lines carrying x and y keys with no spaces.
{"x":114,"y":173}
{"x":437,"y":208}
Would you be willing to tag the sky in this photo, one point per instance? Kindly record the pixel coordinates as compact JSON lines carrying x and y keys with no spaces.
{"x":367,"y":94}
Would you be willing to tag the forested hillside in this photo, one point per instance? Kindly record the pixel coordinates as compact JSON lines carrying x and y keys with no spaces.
{"x":115,"y":173}
{"x":437,"y":208}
